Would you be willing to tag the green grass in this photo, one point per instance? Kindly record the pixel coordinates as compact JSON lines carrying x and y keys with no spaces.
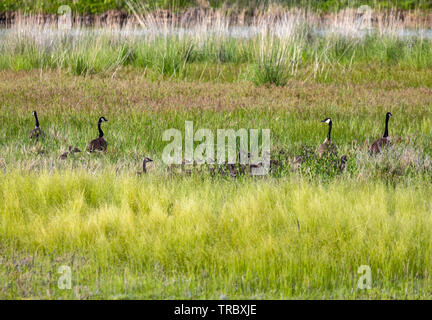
{"x":292,"y":234}
{"x":100,"y":6}
{"x":128,"y":237}
{"x":295,"y":233}
{"x":268,"y":59}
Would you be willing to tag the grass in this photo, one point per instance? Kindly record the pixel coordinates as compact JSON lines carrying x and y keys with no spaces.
{"x":100,"y":6}
{"x":290,"y":235}
{"x":294,"y":234}
{"x":125,"y":237}
{"x":294,"y":47}
{"x":68,"y":114}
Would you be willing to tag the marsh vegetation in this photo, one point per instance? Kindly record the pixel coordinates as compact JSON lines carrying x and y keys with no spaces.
{"x":300,"y":232}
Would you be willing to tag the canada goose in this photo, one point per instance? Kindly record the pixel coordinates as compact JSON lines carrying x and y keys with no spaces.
{"x":144,"y":165}
{"x":327,"y":146}
{"x":65,"y":154}
{"x":99,"y":144}
{"x":379,"y":144}
{"x":186,"y":167}
{"x":74,"y":150}
{"x":37,"y":132}
{"x":342,"y":163}
{"x":71,"y":150}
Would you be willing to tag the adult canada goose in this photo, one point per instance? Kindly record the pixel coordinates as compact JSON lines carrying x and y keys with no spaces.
{"x":144,"y":165}
{"x":37,"y":132}
{"x":99,"y":144}
{"x":327,"y":146}
{"x":379,"y":144}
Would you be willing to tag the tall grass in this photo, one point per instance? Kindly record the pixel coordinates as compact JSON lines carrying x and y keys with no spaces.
{"x":296,"y":233}
{"x":300,"y":234}
{"x":100,"y":6}
{"x":272,"y":50}
{"x":187,"y":239}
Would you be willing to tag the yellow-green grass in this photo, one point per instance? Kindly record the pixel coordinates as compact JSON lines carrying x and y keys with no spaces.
{"x":129,"y":237}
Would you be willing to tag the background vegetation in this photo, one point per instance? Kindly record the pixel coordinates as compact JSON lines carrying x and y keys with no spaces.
{"x":100,"y":6}
{"x":272,"y":53}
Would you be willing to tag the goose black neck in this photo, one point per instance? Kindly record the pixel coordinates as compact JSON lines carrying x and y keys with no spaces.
{"x":329,"y":131}
{"x":386,"y":127}
{"x":144,"y":166}
{"x":101,"y":134}
{"x":37,"y":120}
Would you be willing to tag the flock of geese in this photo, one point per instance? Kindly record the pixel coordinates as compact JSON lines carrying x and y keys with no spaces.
{"x":327,"y":147}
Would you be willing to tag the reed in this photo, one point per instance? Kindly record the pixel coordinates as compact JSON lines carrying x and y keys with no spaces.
{"x":269,"y":51}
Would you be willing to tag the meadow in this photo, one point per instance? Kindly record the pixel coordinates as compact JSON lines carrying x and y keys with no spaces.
{"x":294,"y":234}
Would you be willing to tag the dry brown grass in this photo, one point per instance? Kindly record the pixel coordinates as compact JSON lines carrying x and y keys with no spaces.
{"x":21,"y":91}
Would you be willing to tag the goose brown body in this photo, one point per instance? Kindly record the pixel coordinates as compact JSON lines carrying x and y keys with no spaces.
{"x":99,"y":144}
{"x":37,"y":132}
{"x":379,"y":144}
{"x":327,"y":147}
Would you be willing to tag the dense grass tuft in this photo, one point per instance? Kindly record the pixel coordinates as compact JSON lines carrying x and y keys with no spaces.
{"x":267,"y":52}
{"x":268,"y":239}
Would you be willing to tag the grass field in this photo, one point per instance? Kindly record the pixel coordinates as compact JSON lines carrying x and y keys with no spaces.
{"x":293,"y":234}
